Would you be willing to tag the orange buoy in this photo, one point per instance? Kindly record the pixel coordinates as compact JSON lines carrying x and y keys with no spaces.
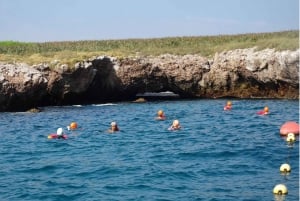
{"x":289,"y":127}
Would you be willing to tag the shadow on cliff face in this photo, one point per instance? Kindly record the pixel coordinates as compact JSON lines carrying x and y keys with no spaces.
{"x":106,"y":85}
{"x":91,"y":82}
{"x":14,"y":100}
{"x":165,"y":95}
{"x":101,"y":82}
{"x":141,"y":78}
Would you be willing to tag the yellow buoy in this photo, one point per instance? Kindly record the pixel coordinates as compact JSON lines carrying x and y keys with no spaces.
{"x":291,"y":137}
{"x":280,"y":189}
{"x":285,"y":168}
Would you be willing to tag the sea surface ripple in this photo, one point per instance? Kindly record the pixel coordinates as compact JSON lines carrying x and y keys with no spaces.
{"x":217,"y":155}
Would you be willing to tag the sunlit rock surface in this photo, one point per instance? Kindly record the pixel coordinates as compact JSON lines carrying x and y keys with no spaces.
{"x":241,"y":73}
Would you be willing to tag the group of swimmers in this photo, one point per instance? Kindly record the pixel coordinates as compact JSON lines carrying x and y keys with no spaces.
{"x":113,"y":127}
{"x":265,"y":111}
{"x":60,"y":134}
{"x":160,"y":116}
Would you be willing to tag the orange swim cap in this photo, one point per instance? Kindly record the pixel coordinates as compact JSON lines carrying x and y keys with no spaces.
{"x":73,"y":125}
{"x":266,"y":109}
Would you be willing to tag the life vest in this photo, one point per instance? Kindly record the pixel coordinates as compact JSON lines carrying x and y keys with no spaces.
{"x":262,"y":112}
{"x":55,"y":136}
{"x":227,"y":107}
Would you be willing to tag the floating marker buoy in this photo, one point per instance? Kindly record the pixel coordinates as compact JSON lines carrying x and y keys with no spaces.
{"x":290,"y":137}
{"x":289,"y":127}
{"x":280,"y":189}
{"x":285,"y":168}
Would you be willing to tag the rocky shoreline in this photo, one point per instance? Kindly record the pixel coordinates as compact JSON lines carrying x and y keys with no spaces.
{"x":240,"y":73}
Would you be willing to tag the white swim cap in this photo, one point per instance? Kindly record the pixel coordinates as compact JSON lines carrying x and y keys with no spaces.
{"x":59,"y":131}
{"x":113,"y":123}
{"x":175,"y":122}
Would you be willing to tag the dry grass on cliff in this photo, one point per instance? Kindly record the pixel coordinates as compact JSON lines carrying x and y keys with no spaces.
{"x":70,"y":52}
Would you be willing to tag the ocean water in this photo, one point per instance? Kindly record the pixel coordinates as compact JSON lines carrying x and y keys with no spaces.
{"x":217,"y":155}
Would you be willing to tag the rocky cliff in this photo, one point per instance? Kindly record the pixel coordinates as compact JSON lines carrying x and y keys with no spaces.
{"x":241,"y":73}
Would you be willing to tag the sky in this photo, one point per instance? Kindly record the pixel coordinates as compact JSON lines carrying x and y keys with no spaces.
{"x":71,"y":20}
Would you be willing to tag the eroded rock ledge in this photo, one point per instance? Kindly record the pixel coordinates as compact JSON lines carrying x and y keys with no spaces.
{"x":241,"y":73}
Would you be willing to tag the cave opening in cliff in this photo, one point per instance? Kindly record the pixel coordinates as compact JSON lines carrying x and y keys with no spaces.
{"x":166,"y":95}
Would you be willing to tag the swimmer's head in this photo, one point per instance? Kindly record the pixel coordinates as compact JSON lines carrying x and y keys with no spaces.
{"x":266,"y":109}
{"x":229,"y":103}
{"x":160,"y":113}
{"x":60,"y":131}
{"x":73,"y":125}
{"x":114,"y":126}
{"x":175,"y":122}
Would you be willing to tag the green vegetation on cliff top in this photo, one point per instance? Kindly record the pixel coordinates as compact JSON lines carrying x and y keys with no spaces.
{"x":72,"y":51}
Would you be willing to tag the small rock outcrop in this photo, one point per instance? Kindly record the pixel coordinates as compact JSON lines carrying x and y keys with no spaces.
{"x":241,"y":73}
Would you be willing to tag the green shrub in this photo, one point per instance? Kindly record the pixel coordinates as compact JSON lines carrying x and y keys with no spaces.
{"x":204,"y":45}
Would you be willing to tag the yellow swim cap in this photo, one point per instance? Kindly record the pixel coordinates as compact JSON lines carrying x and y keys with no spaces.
{"x":160,"y":112}
{"x":229,"y":103}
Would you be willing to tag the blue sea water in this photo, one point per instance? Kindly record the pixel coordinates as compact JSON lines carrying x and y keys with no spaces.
{"x":217,"y":155}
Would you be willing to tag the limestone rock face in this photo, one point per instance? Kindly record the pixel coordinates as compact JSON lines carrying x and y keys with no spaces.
{"x":89,"y":82}
{"x":21,"y":86}
{"x":241,"y":73}
{"x":179,"y":74}
{"x":247,"y":73}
